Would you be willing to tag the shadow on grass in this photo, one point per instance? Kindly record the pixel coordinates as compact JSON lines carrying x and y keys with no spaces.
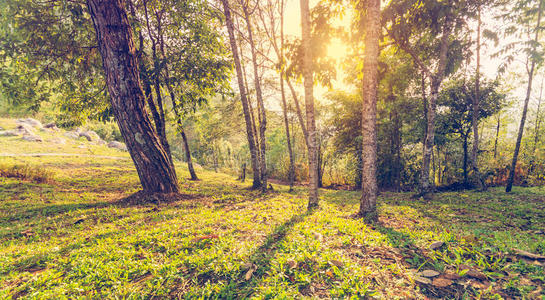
{"x":260,"y":260}
{"x":48,"y":210}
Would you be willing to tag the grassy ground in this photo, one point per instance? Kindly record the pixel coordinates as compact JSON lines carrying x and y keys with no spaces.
{"x":73,"y":235}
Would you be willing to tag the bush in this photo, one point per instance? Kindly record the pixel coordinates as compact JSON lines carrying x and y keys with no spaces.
{"x":27,"y":172}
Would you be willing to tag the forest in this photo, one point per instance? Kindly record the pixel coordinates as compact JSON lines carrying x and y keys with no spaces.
{"x":272,"y":149}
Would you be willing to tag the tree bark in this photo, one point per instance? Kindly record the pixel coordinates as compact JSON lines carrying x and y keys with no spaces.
{"x":436,"y":80}
{"x":538,"y":117}
{"x":464,"y":166}
{"x":261,"y":110}
{"x":512,"y":171}
{"x":243,"y":96}
{"x":309,"y":105}
{"x":368,"y":205}
{"x":476,"y":109}
{"x":119,"y":60}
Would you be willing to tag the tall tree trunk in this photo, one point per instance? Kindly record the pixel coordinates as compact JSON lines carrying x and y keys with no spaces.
{"x":538,"y":117}
{"x":436,"y":80}
{"x":475,"y":116}
{"x":368,"y":205}
{"x":291,"y":172}
{"x":497,"y":135}
{"x":464,"y":166}
{"x":119,"y":60}
{"x":261,"y":106}
{"x":309,"y":104}
{"x":158,"y":112}
{"x":243,"y":97}
{"x":192,"y":172}
{"x":512,"y":171}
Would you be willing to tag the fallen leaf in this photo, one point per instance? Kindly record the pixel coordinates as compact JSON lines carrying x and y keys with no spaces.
{"x":206,"y":237}
{"x":330,"y":274}
{"x":451,"y":276}
{"x":292,"y":264}
{"x":249,"y":273}
{"x":337,"y":263}
{"x":436,"y":245}
{"x":422,"y":280}
{"x":442,"y":282}
{"x":429,"y":273}
{"x":476,"y":274}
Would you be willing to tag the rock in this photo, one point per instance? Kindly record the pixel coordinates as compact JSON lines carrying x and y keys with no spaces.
{"x":101,"y":142}
{"x":117,"y":145}
{"x":32,"y":138}
{"x":422,"y":280}
{"x":72,"y":134}
{"x":52,"y":126}
{"x":441,"y":282}
{"x":429,"y":273}
{"x":23,"y":129}
{"x":31,"y":122}
{"x":9,"y":133}
{"x":436,"y":245}
{"x":90,"y":135}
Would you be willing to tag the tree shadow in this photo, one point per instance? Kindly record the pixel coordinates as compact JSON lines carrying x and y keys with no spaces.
{"x":260,"y":260}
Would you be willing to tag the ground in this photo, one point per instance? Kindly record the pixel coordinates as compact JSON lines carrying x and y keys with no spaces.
{"x":67,"y":229}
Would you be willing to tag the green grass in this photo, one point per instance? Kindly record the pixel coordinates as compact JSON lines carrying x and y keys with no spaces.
{"x":74,"y":237}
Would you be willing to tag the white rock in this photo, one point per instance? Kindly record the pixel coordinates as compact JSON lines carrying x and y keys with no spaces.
{"x":72,"y":134}
{"x":9,"y":133}
{"x":117,"y":145}
{"x":90,"y":135}
{"x":32,"y":138}
{"x":30,"y":121}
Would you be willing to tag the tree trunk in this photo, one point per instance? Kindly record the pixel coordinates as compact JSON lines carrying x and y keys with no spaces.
{"x":192,"y":173}
{"x":497,"y":136}
{"x":261,"y":106}
{"x":359,"y":167}
{"x":475,"y":116}
{"x":243,"y":96}
{"x":291,"y":172}
{"x":436,"y":80}
{"x":368,"y":205}
{"x":119,"y":60}
{"x":512,"y":171}
{"x":464,"y":167}
{"x":309,"y":104}
{"x":538,"y":118}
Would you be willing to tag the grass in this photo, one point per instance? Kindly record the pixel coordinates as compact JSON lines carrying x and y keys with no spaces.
{"x":74,"y":236}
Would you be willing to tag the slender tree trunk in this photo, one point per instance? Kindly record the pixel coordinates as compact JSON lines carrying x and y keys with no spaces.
{"x":187,"y":152}
{"x":436,"y":80}
{"x":538,"y":117}
{"x":464,"y":167}
{"x":359,"y":167}
{"x":119,"y":60}
{"x":497,"y":136}
{"x":298,"y":110}
{"x":476,"y":109}
{"x":291,"y":172}
{"x":309,"y":104}
{"x":368,"y":205}
{"x":512,"y":171}
{"x":243,"y":96}
{"x":261,"y":106}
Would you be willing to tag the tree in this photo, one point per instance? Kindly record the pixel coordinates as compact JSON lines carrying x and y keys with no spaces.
{"x":309,"y":105}
{"x":116,"y":46}
{"x":243,"y":95}
{"x":261,"y":107}
{"x":457,"y":111}
{"x":426,"y":30}
{"x":533,"y":58}
{"x":368,"y":204}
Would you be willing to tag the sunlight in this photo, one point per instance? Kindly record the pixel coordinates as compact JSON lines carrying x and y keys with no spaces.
{"x":337,"y":49}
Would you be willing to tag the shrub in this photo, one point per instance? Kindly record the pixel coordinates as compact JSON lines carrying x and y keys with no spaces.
{"x":26,"y":172}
